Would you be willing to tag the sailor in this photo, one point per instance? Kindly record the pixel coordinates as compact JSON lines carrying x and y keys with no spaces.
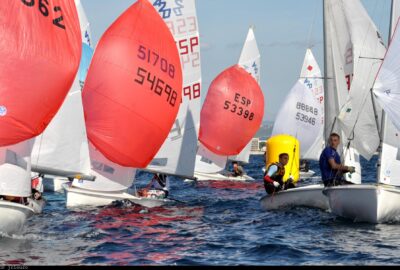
{"x":329,"y":163}
{"x":273,"y":177}
{"x":304,"y":166}
{"x":237,"y":170}
{"x":160,"y":181}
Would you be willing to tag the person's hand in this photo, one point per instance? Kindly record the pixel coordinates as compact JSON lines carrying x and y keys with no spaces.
{"x":352,"y":169}
{"x":276,"y":184}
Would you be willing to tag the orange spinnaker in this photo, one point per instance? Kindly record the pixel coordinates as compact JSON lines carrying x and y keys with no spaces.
{"x":232,"y":112}
{"x":133,"y":88}
{"x":40,"y":51}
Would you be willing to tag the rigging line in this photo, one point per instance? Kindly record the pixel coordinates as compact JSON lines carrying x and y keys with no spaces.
{"x":310,"y":32}
{"x":40,"y":148}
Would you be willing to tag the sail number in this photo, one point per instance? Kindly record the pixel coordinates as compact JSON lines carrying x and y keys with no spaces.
{"x":238,"y":107}
{"x":166,"y":12}
{"x":349,"y":79}
{"x":43,"y":7}
{"x":306,"y":108}
{"x":156,"y":60}
{"x":186,"y":45}
{"x":192,"y":91}
{"x":157,"y":85}
{"x":306,"y":119}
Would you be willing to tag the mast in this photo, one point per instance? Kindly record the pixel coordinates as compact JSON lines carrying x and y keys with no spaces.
{"x":384,"y":117}
{"x":325,"y":69}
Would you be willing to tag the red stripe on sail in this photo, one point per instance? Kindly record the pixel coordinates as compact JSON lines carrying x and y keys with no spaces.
{"x":232,"y":112}
{"x":133,"y":88}
{"x":40,"y":50}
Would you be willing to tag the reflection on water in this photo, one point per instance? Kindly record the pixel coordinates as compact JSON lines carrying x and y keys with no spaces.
{"x":221,"y":223}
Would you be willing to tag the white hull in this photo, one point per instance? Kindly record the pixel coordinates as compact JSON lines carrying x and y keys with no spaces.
{"x":13,"y":217}
{"x":54,"y":184}
{"x":307,"y":196}
{"x":308,"y":174}
{"x":77,"y":197}
{"x":219,"y":176}
{"x":365,"y":203}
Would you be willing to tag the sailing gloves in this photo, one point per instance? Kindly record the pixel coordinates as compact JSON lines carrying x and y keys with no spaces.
{"x":276,"y":184}
{"x":351,"y":169}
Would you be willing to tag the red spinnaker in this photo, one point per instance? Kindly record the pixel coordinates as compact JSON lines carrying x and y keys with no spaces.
{"x":133,"y":88}
{"x":40,"y":51}
{"x":232,"y":112}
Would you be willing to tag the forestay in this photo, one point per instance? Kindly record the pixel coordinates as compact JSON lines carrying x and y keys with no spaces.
{"x":177,"y":154}
{"x":40,"y":55}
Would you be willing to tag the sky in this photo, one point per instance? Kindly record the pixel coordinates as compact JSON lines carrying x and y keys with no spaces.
{"x":284,"y":29}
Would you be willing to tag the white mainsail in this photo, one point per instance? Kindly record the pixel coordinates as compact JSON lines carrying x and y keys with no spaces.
{"x":250,"y":60}
{"x":63,"y":145}
{"x":301,"y":115}
{"x":348,"y":32}
{"x":338,"y":62}
{"x":387,"y":91}
{"x":178,"y":153}
{"x":368,"y":50}
{"x":15,"y":164}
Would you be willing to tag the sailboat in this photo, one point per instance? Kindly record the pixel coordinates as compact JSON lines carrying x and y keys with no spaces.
{"x":374,"y":203}
{"x":131,"y":98}
{"x":40,"y":57}
{"x":209,"y":165}
{"x":234,"y":100}
{"x":301,"y":116}
{"x":62,"y":149}
{"x":340,"y":37}
{"x":176,"y":156}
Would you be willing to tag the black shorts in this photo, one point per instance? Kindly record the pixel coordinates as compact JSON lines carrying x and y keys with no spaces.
{"x":336,"y":182}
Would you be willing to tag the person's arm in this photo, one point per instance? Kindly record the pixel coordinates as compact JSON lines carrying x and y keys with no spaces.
{"x":241,"y":170}
{"x":150,"y":183}
{"x":271,"y":171}
{"x":338,"y":167}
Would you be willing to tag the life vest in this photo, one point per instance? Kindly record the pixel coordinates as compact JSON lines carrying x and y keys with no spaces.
{"x":278,"y":176}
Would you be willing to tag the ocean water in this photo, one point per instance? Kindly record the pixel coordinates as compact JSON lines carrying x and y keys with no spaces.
{"x":217,"y":223}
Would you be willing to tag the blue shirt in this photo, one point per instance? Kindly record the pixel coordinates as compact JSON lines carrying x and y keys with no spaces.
{"x":327,"y":172}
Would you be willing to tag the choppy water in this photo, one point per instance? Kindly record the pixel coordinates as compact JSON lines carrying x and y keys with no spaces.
{"x":220,"y":224}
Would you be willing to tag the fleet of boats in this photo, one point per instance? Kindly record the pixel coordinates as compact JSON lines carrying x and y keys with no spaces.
{"x":97,"y":116}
